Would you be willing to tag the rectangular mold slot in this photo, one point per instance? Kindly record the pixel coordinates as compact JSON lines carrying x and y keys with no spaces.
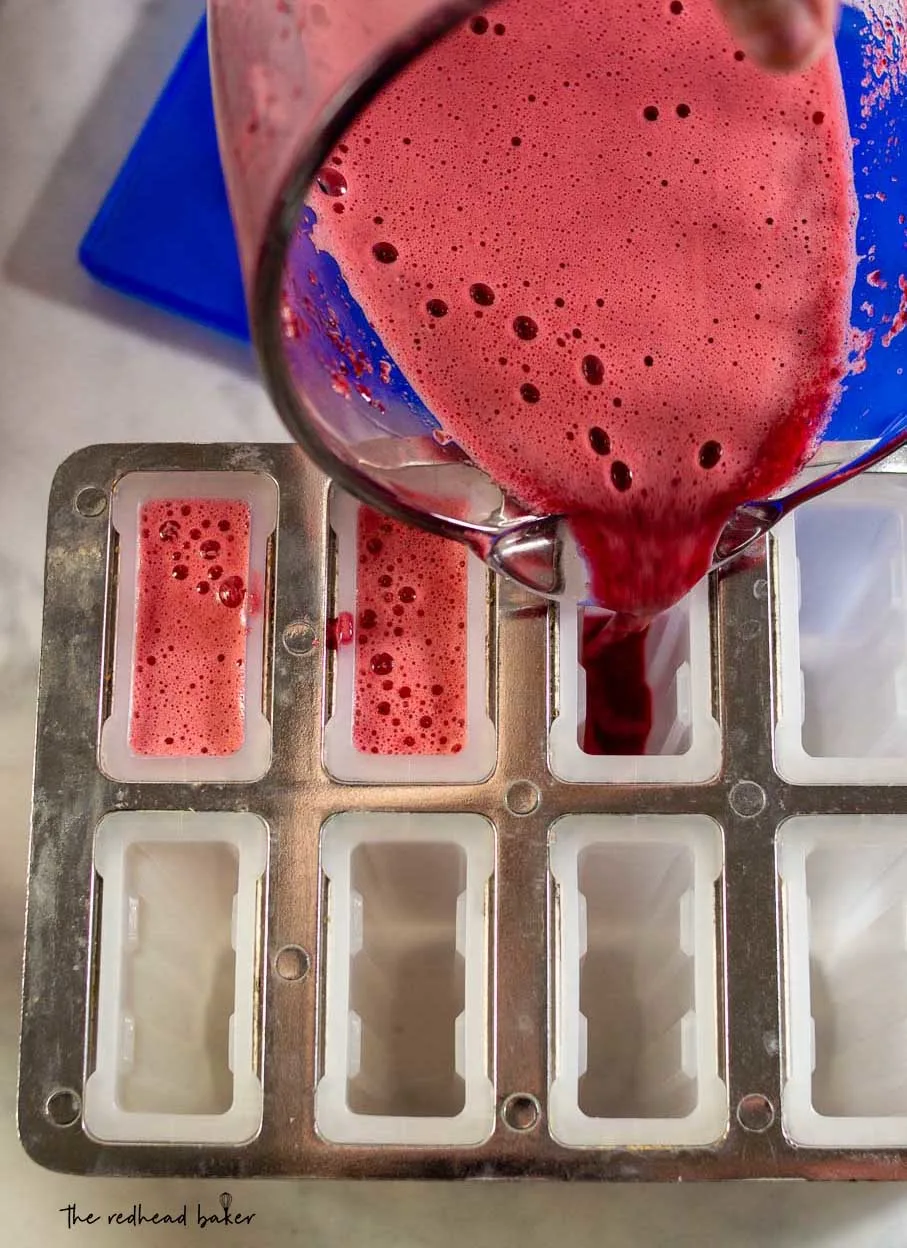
{"x":844,"y":891}
{"x":177,"y":978}
{"x":841,"y":636}
{"x":684,"y":743}
{"x":636,"y":1057}
{"x":408,"y":706}
{"x":188,"y":652}
{"x":407,"y":980}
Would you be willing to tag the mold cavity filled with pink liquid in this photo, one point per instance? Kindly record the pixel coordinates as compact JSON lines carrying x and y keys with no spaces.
{"x":614,"y":258}
{"x":410,"y":638}
{"x":188,"y":687}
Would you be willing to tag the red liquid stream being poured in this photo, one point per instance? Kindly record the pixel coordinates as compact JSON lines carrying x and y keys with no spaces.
{"x":643,"y":247}
{"x":189,"y":680}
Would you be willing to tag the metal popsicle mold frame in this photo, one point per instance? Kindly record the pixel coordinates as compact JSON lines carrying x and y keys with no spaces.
{"x":517,"y":904}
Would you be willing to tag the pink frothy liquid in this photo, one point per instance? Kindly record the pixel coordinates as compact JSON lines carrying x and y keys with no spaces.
{"x":411,"y":614}
{"x":615,"y":259}
{"x":188,"y":687}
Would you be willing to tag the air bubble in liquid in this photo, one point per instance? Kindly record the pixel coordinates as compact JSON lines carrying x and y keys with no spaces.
{"x":599,"y":441}
{"x":232,"y":591}
{"x":593,"y":370}
{"x":331,"y":182}
{"x":525,"y":327}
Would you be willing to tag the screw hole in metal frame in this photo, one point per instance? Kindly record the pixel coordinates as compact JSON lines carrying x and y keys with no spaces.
{"x":292,"y":963}
{"x":299,"y":638}
{"x":755,"y":1112}
{"x":747,"y":799}
{"x":63,"y":1107}
{"x":91,"y":501}
{"x":521,"y":1112}
{"x":523,"y":798}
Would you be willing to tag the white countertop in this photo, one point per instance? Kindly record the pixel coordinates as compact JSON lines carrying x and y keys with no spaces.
{"x":80,"y":365}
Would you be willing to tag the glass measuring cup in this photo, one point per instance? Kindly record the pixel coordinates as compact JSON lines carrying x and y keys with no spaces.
{"x":290,"y":77}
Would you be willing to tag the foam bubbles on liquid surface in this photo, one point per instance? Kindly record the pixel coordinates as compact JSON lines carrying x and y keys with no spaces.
{"x":411,"y":607}
{"x":188,"y":688}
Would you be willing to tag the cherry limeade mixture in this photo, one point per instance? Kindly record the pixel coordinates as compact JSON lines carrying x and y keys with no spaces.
{"x":615,"y":260}
{"x":411,"y":604}
{"x":189,"y":680}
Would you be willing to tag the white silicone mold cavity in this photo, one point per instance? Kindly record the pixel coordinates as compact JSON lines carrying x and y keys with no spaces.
{"x":844,"y":889}
{"x":180,"y":916}
{"x":636,"y":1049}
{"x":684,"y":745}
{"x":841,"y":636}
{"x":342,"y":759}
{"x":407,"y":980}
{"x":253,"y":757}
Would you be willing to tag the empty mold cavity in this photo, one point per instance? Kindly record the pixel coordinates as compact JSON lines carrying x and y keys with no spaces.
{"x":186,"y":699}
{"x":636,"y":1058}
{"x":177,"y":978}
{"x":684,"y":741}
{"x":410,"y":631}
{"x":844,"y":891}
{"x":841,"y":636}
{"x":406,"y":992}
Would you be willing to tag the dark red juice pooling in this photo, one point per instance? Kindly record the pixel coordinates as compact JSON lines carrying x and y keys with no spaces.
{"x":189,"y":679}
{"x":618,"y":697}
{"x":644,"y":249}
{"x":411,"y":644}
